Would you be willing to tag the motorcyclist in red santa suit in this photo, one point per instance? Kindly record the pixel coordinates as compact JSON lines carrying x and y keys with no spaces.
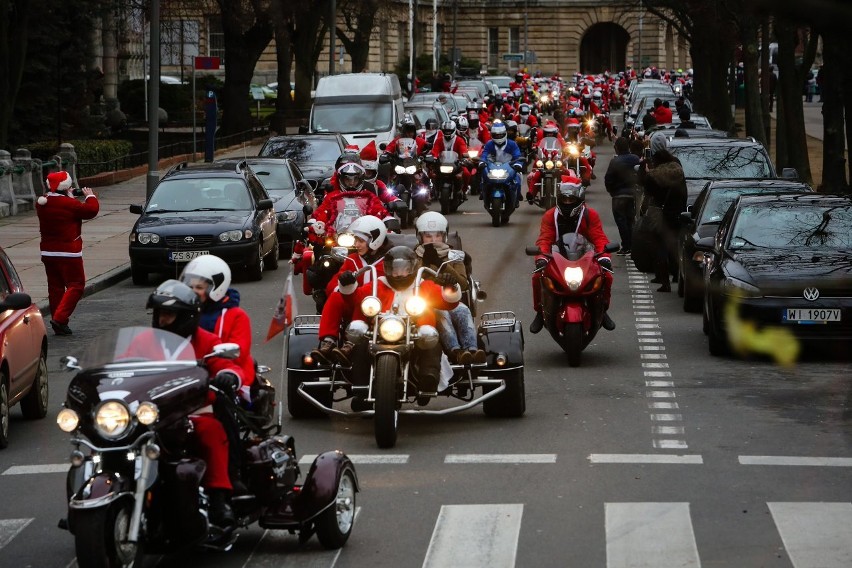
{"x":371,"y":244}
{"x":576,"y":136}
{"x":60,"y":219}
{"x":550,"y":130}
{"x":176,"y":308}
{"x":370,"y":162}
{"x":450,"y":141}
{"x":407,"y":129}
{"x":571,"y":214}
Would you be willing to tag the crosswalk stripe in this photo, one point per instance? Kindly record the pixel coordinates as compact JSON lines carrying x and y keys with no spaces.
{"x":500,"y":458}
{"x":795,"y":460}
{"x":43,"y":468}
{"x":475,"y":536}
{"x":650,"y":535}
{"x":363,"y":459}
{"x":689,"y":459}
{"x":815,"y":535}
{"x":9,"y":529}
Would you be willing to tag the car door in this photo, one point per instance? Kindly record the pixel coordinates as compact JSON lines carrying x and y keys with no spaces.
{"x":264,"y":219}
{"x":16,"y":335}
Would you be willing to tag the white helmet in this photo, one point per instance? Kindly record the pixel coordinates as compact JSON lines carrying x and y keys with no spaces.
{"x":370,"y":229}
{"x":210,"y":269}
{"x":431,"y":222}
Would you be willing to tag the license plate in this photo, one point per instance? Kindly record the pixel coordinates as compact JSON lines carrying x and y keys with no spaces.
{"x":186,"y":255}
{"x":811,"y":315}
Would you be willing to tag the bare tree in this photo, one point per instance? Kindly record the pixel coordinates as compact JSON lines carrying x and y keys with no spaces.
{"x":748,"y":26}
{"x":308,"y":39}
{"x":359,"y":20}
{"x":14,"y":35}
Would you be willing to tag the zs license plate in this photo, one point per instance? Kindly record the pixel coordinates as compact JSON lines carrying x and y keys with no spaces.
{"x":186,"y":255}
{"x":811,"y":315}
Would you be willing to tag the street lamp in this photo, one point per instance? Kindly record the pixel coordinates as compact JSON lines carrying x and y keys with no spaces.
{"x":154,"y":101}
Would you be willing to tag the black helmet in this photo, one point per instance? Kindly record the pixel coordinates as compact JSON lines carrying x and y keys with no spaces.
{"x":570,"y":197}
{"x":431,"y":124}
{"x":400,"y":266}
{"x":347,"y":158}
{"x":407,"y":127}
{"x":175,"y":296}
{"x":351,"y":177}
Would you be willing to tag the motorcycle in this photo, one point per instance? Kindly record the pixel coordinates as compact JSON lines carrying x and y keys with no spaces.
{"x":502,"y":187}
{"x":549,"y":164}
{"x":448,"y":183}
{"x":474,"y":147}
{"x":526,"y":142}
{"x":573,"y":162}
{"x":383,"y":379}
{"x":572,"y":293}
{"x":409,"y":182}
{"x":133,"y":488}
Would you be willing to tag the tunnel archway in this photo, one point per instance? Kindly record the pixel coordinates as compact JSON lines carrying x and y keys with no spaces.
{"x":604,"y":47}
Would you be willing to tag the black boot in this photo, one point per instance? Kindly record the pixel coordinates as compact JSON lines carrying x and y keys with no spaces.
{"x":221,"y":514}
{"x":607,"y":322}
{"x":323,"y":354}
{"x":537,"y":323}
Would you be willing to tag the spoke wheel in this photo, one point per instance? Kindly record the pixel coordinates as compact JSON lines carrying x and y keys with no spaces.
{"x":335,"y":524}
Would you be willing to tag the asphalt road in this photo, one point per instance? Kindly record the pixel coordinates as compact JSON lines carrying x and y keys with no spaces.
{"x":651,"y":454}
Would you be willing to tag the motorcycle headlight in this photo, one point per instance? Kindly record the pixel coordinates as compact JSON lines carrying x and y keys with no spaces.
{"x":392,"y":329}
{"x":559,"y":163}
{"x":543,"y":99}
{"x":548,"y":164}
{"x":146,"y":238}
{"x":112,"y":419}
{"x":498,"y":174}
{"x":346,"y":240}
{"x":573,"y":277}
{"x":411,"y":170}
{"x":572,"y":149}
{"x":370,"y":306}
{"x":399,"y":169}
{"x":147,"y":413}
{"x":447,"y":169}
{"x":231,"y":236}
{"x":539,"y":164}
{"x":472,"y":153}
{"x":415,"y":306}
{"x":590,"y":123}
{"x":67,"y":420}
{"x":286,"y":216}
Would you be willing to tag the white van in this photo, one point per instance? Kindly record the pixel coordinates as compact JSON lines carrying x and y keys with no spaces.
{"x":361,"y":106}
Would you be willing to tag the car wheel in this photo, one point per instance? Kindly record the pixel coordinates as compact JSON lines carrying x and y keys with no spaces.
{"x":4,"y":411}
{"x":255,"y":270}
{"x":272,"y":264}
{"x":34,"y":404}
{"x":138,"y":276}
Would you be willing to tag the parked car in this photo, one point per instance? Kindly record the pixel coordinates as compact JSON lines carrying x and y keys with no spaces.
{"x":424,"y":111}
{"x":220,"y":209}
{"x":314,"y":154}
{"x":502,"y":82}
{"x":291,"y":194}
{"x":702,"y":220}
{"x":447,"y":99}
{"x":478,"y":85}
{"x":23,"y":351}
{"x":784,"y":261}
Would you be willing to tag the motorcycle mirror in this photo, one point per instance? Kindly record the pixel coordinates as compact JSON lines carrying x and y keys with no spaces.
{"x":339,"y":253}
{"x":384,"y":159}
{"x":225,"y":351}
{"x":612,"y":247}
{"x":70,"y":363}
{"x":382,"y":146}
{"x":532,"y":251}
{"x":455,"y":255}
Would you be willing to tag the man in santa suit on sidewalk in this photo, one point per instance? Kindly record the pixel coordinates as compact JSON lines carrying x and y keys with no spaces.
{"x":60,"y":219}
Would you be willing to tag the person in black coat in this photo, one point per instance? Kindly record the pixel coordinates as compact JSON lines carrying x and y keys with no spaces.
{"x":620,"y":182}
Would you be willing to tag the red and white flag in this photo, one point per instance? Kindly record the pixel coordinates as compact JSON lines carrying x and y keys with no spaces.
{"x":285,"y":311}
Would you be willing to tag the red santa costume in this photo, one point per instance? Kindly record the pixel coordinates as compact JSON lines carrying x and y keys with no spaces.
{"x":456,"y":144}
{"x":60,"y":219}
{"x":370,"y":161}
{"x":336,"y":307}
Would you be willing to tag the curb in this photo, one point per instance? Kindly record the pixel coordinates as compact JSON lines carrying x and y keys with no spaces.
{"x":96,"y":284}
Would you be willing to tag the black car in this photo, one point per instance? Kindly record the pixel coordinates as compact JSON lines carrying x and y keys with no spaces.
{"x":220,"y":209}
{"x":702,"y":220}
{"x":780,"y":263}
{"x":291,"y":194}
{"x":315,"y":154}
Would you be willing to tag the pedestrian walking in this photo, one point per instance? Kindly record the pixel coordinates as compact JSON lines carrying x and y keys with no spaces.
{"x":620,"y":182}
{"x":60,"y":220}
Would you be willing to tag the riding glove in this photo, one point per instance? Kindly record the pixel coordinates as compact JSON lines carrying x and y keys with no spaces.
{"x":347,"y":278}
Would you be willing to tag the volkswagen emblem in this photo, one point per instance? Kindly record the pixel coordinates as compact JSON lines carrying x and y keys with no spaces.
{"x":192,"y":240}
{"x":811,"y":294}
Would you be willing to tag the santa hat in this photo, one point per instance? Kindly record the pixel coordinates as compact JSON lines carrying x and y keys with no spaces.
{"x":369,"y":156}
{"x":351,"y":149}
{"x":56,"y":181}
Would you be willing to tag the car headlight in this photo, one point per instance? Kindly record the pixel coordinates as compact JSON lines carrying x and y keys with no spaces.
{"x":736,"y":287}
{"x":370,"y":306}
{"x":573,"y":277}
{"x":415,"y":306}
{"x":447,"y":169}
{"x":539,"y":164}
{"x":392,"y":329}
{"x":286,"y":216}
{"x":346,"y":240}
{"x":399,"y":169}
{"x":548,"y":164}
{"x":67,"y":420}
{"x":112,"y":419}
{"x":231,"y":236}
{"x":147,"y":413}
{"x":146,"y":238}
{"x":411,"y":170}
{"x":498,"y":174}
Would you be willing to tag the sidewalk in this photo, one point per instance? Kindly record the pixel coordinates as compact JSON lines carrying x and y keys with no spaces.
{"x":105,"y":238}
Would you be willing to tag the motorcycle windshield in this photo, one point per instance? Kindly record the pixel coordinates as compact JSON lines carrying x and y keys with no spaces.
{"x":524,"y":130}
{"x":449,"y":157}
{"x":573,"y":243}
{"x":137,"y":344}
{"x":551,"y":145}
{"x":406,"y":148}
{"x":349,"y":209}
{"x":500,"y":158}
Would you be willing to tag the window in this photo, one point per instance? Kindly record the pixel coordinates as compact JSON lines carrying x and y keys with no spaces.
{"x":178,"y":41}
{"x":215,"y":40}
{"x":514,"y":40}
{"x":401,"y":40}
{"x":493,"y":46}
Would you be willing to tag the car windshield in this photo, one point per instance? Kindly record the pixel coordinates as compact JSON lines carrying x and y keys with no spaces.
{"x":352,"y":118}
{"x":722,"y":162}
{"x":789,"y":225}
{"x":274,"y":176}
{"x":302,"y":150}
{"x":501,"y":82}
{"x":719,"y":201}
{"x":211,"y":194}
{"x":422,"y":114}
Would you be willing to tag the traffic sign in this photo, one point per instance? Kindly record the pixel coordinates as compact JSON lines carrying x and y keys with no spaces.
{"x":513,"y":57}
{"x":207,"y":63}
{"x":257,"y":93}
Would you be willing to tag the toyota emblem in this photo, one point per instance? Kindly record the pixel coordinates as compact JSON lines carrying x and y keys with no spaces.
{"x":811,"y":294}
{"x":192,"y":240}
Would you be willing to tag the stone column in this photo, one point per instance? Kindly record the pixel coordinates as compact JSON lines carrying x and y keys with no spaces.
{"x":69,"y":161}
{"x":7,"y":195}
{"x":22,"y":180}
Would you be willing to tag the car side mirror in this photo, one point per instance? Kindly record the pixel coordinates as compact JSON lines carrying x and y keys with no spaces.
{"x":307,"y":210}
{"x":136,"y":209}
{"x":686,"y":217}
{"x":789,"y":173}
{"x":16,"y":301}
{"x":264,"y":204}
{"x":705,"y":244}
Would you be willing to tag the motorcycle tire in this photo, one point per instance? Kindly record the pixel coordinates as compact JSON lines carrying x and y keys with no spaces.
{"x":98,"y":536}
{"x":446,"y":196}
{"x":512,"y":402}
{"x":297,"y":405}
{"x":572,"y":343}
{"x":334,"y":525}
{"x":386,"y":417}
{"x":405,"y":219}
{"x":496,"y":211}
